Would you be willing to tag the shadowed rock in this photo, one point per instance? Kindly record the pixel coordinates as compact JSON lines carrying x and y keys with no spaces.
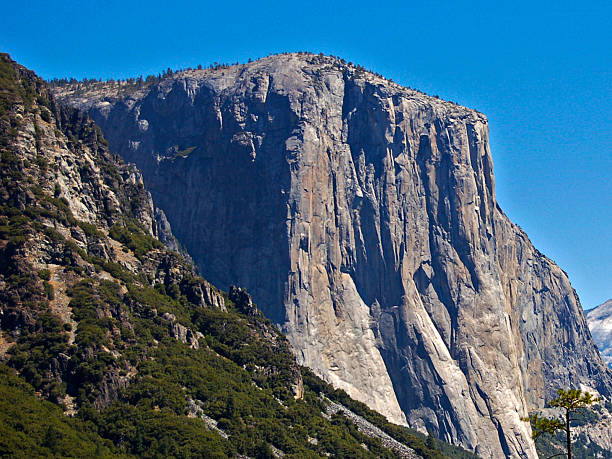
{"x":361,"y":216}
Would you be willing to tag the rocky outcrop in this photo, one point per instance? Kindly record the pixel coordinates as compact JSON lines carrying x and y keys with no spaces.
{"x":182,"y":333}
{"x":362,"y":217}
{"x":369,"y":429}
{"x":600,"y":324}
{"x":195,"y":410}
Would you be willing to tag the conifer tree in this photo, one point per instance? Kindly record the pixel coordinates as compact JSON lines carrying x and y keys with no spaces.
{"x":571,"y":402}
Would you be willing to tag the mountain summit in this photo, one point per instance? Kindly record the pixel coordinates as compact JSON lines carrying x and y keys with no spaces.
{"x":362,"y":217}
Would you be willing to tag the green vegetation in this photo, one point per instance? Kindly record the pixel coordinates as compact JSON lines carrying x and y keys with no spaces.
{"x":131,"y":234}
{"x":425,"y":446}
{"x":571,"y":403}
{"x":148,"y":417}
{"x":90,"y":230}
{"x":549,"y":446}
{"x":49,"y":291}
{"x":127,"y":86}
{"x":30,"y":427}
{"x":44,"y":274}
{"x":12,"y":91}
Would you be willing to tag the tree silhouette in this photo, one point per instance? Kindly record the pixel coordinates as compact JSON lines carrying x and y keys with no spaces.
{"x":570,"y":401}
{"x":431,"y":441}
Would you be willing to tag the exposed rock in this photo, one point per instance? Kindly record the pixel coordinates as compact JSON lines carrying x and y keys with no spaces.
{"x":212,"y":296}
{"x":195,"y":410}
{"x":165,"y":235}
{"x":297,"y":387}
{"x":92,"y":300}
{"x":369,"y":429}
{"x":243,"y":301}
{"x":182,"y":333}
{"x":276,"y":452}
{"x":164,"y":230}
{"x":599,"y":431}
{"x":170,"y":269}
{"x":600,"y":324}
{"x":362,"y":217}
{"x":111,"y":384}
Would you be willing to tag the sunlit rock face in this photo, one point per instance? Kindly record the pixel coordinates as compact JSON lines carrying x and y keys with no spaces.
{"x":361,"y":216}
{"x":600,"y":323}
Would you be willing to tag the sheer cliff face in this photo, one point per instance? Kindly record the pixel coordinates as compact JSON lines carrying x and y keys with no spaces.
{"x":362,"y":217}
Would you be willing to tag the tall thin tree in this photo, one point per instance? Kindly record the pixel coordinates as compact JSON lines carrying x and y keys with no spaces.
{"x":571,"y":402}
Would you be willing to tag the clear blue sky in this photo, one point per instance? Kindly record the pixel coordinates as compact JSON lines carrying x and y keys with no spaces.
{"x":540,"y":70}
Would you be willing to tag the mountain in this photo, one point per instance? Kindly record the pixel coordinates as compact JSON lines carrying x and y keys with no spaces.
{"x":112,"y":345}
{"x":599,"y":320}
{"x":362,"y":217}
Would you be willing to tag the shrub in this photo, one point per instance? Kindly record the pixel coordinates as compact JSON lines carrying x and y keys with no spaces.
{"x":44,"y":274}
{"x":132,"y":236}
{"x":49,"y":290}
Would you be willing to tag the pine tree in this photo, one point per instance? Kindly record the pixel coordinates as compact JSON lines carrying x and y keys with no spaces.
{"x":431,"y":441}
{"x":571,"y":401}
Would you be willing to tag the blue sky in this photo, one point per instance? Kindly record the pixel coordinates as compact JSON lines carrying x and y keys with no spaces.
{"x":541,"y":71}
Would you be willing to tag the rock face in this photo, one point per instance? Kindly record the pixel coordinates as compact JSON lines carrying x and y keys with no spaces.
{"x":362,"y":217}
{"x":600,"y":324}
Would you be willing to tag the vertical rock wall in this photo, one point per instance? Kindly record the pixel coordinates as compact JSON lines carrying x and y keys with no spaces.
{"x":362,"y":217}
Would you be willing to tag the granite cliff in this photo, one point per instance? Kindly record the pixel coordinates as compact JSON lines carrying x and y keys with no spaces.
{"x":600,"y":324}
{"x":362,"y":217}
